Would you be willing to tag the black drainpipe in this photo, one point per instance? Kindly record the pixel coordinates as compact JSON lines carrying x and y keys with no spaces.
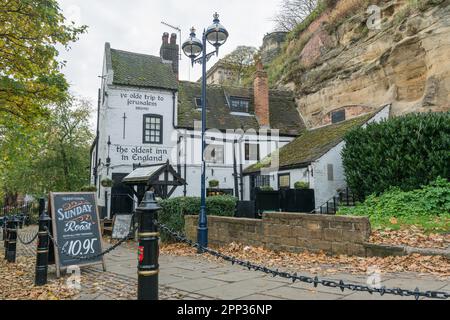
{"x":185,"y":162}
{"x":97,"y":138}
{"x":235,"y":172}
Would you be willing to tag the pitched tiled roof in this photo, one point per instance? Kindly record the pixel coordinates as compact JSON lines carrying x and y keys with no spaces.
{"x":283,"y":112}
{"x":311,"y":145}
{"x":141,"y":70}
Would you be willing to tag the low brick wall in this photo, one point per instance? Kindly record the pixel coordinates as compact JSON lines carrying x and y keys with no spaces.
{"x":292,"y":232}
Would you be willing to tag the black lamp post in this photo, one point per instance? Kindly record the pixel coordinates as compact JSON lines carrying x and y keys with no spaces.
{"x":216,"y":35}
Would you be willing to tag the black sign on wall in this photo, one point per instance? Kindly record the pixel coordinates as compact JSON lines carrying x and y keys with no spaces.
{"x":76,"y":229}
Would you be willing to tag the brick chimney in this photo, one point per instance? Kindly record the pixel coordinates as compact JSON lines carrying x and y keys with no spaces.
{"x":170,"y":50}
{"x":261,"y":93}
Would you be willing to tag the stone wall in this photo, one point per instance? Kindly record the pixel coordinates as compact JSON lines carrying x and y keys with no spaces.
{"x":290,"y":232}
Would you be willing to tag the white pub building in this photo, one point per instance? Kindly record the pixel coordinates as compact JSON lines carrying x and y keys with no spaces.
{"x":146,"y":116}
{"x":149,"y":120}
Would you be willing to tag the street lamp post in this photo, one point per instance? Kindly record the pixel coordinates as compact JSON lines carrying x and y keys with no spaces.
{"x":216,"y":35}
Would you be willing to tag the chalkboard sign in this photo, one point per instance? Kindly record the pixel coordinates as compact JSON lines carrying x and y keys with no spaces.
{"x":76,"y":229}
{"x":122,"y":226}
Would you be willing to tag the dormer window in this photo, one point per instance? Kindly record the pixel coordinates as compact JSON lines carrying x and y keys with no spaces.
{"x":198,"y":102}
{"x":239,"y":104}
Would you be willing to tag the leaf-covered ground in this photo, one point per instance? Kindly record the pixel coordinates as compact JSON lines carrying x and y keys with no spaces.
{"x":412,"y":237}
{"x":17,"y":283}
{"x":321,"y":263}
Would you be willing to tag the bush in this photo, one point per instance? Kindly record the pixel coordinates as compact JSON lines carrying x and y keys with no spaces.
{"x":213,"y":183}
{"x":107,"y":183}
{"x":88,"y":188}
{"x":301,"y":185}
{"x":428,"y":207}
{"x":406,"y":152}
{"x":173,"y":210}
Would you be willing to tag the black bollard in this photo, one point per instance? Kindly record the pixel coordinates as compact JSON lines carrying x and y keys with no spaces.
{"x":12,"y":240}
{"x":42,"y":248}
{"x":148,"y":267}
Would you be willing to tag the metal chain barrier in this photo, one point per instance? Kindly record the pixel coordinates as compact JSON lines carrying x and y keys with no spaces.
{"x":417,"y":294}
{"x":92,"y":257}
{"x":27,"y":236}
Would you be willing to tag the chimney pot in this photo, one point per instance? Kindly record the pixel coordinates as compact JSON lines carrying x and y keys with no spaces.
{"x":173,"y":38}
{"x":169,"y":52}
{"x":165,"y":38}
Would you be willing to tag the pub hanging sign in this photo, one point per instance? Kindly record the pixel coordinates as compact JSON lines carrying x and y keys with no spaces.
{"x":76,"y":229}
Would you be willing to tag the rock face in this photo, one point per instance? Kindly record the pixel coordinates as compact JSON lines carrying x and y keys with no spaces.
{"x":354,"y":68}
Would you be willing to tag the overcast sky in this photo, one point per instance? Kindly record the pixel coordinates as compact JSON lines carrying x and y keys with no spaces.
{"x":135,"y":25}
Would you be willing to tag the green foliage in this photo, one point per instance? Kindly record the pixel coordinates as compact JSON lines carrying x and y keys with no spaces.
{"x":241,"y":62}
{"x":428,"y":207}
{"x":213,"y":183}
{"x":107,"y":183}
{"x":30,"y":74}
{"x":53,"y":155}
{"x":88,"y":188}
{"x":301,"y":185}
{"x":406,"y":152}
{"x":321,"y":7}
{"x":174,"y":210}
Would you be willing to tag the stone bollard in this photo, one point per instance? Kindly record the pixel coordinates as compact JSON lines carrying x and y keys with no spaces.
{"x":12,"y":240}
{"x":42,"y":247}
{"x":148,"y":267}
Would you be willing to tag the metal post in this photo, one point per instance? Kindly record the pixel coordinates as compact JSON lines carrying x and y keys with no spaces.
{"x":334,"y":204}
{"x":42,"y":248}
{"x":202,"y":229}
{"x":148,"y":235}
{"x":6,"y":226}
{"x":12,"y":240}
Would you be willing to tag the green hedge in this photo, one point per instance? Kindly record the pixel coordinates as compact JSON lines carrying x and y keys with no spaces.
{"x":174,"y":210}
{"x":428,"y":208}
{"x":405,"y":152}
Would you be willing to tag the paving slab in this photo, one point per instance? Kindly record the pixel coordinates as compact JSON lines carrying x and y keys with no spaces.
{"x":197,"y":285}
{"x":195,"y":274}
{"x":374,"y":297}
{"x":292,"y":293}
{"x":236,"y":276}
{"x":240,"y":289}
{"x":412,"y":284}
{"x":169,"y":279}
{"x":259,"y":297}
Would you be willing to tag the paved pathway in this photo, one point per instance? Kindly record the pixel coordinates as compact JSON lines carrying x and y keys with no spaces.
{"x":195,"y":278}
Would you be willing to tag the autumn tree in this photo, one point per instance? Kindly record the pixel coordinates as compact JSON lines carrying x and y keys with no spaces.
{"x":293,"y":12}
{"x":240,"y":62}
{"x":30,"y":74}
{"x":53,"y":155}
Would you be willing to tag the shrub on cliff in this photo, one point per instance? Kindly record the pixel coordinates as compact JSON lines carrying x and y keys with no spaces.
{"x":173,"y":210}
{"x":405,"y":152}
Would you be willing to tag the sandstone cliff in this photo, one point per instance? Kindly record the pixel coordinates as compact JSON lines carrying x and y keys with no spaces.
{"x":337,"y":62}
